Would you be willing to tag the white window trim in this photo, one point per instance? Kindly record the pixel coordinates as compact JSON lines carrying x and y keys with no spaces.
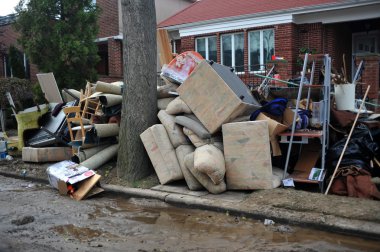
{"x":206,"y":45}
{"x":174,"y":47}
{"x":232,"y":49}
{"x":262,"y":67}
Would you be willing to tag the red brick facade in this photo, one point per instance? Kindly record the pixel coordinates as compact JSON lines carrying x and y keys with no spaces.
{"x":370,"y":74}
{"x":108,"y":28}
{"x":109,"y":18}
{"x":290,"y":39}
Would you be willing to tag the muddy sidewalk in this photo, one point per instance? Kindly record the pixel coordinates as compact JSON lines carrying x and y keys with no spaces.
{"x":288,"y":206}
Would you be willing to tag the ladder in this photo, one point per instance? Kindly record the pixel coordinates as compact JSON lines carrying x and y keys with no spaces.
{"x":301,"y":173}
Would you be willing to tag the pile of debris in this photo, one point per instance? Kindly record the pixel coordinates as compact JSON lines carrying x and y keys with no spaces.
{"x":215,"y":134}
{"x":206,"y":136}
{"x":81,"y":130}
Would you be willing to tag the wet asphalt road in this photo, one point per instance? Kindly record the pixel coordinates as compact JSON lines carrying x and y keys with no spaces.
{"x":33,"y":217}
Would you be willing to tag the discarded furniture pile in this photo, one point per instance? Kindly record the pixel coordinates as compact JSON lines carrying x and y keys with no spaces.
{"x":205,"y":135}
{"x":80,"y":130}
{"x":218,"y":135}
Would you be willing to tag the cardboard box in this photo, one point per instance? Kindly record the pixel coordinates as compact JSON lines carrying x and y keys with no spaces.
{"x":247,"y":155}
{"x":216,"y":95}
{"x":66,"y":173}
{"x":277,"y":126}
{"x":47,"y":154}
{"x":161,"y":153}
{"x":307,"y":160}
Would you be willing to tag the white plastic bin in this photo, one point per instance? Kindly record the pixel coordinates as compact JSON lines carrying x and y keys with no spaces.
{"x":345,"y":96}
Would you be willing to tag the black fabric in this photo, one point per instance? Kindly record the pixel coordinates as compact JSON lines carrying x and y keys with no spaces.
{"x":361,"y":149}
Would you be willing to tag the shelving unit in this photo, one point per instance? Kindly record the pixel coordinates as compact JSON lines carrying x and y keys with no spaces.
{"x":301,"y":171}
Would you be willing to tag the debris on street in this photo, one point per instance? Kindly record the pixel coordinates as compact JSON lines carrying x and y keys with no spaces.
{"x":217,"y":134}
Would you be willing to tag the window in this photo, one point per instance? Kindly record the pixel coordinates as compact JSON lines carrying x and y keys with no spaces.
{"x":102,"y":66}
{"x":232,"y":47}
{"x":206,"y":47}
{"x":261,"y":49}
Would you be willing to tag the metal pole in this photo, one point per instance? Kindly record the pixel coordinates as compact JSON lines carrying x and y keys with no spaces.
{"x":295,"y":116}
{"x":271,"y":78}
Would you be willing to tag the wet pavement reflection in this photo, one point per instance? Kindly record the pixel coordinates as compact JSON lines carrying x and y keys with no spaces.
{"x":154,"y":220}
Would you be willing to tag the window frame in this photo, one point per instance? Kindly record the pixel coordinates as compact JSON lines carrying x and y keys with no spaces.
{"x":207,"y":50}
{"x":262,"y":66}
{"x":232,"y":50}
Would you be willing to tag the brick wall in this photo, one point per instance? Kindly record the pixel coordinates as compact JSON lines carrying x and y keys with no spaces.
{"x":108,"y":19}
{"x":370,"y":75}
{"x":108,"y":27}
{"x":187,"y":44}
{"x":115,"y":58}
{"x":286,"y":46}
{"x":9,"y":37}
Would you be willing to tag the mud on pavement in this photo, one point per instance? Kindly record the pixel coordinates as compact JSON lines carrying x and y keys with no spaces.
{"x":34,"y":217}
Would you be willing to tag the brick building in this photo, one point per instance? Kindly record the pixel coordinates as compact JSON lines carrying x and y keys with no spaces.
{"x":245,"y":34}
{"x":109,"y":39}
{"x":8,"y":37}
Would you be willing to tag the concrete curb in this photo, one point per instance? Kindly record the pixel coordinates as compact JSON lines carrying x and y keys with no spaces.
{"x":318,"y":221}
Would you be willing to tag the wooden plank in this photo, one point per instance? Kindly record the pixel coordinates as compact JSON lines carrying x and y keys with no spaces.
{"x":302,"y":177}
{"x":247,"y":155}
{"x":164,"y":47}
{"x":309,"y":133}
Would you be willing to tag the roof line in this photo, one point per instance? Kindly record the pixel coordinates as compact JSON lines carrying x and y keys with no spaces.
{"x":307,"y":9}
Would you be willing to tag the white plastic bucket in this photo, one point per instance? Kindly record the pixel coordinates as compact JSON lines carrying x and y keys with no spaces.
{"x":345,"y":96}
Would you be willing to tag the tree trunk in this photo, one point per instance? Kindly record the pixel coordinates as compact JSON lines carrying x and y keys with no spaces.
{"x":139,"y":109}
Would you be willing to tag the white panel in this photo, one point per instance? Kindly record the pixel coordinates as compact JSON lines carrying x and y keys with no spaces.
{"x":235,"y":25}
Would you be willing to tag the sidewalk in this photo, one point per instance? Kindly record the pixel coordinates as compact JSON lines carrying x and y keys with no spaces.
{"x":286,"y":206}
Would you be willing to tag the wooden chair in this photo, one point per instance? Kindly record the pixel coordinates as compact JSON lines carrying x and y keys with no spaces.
{"x":91,"y":104}
{"x":77,"y":119}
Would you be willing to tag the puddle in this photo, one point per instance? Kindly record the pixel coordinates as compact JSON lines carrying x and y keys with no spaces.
{"x":80,"y":233}
{"x":152,"y":220}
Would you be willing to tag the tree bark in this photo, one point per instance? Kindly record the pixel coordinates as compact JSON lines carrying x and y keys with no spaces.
{"x":139,"y":107}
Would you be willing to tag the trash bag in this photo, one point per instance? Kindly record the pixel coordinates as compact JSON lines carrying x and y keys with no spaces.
{"x":363,"y":146}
